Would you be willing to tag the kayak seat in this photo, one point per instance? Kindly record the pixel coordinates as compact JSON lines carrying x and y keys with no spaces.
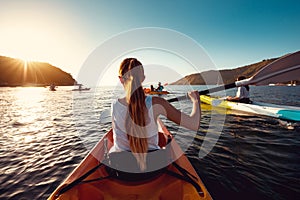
{"x":123,"y":165}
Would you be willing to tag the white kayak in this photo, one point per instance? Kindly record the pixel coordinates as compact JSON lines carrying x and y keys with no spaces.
{"x":291,"y":113}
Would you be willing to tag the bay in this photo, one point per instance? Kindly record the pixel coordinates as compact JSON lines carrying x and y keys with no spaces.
{"x":45,"y":134}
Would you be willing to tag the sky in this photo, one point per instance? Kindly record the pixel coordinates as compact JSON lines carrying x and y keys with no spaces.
{"x":65,"y":33}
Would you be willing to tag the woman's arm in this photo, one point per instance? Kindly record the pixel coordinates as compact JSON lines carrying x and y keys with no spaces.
{"x":237,"y":96}
{"x":192,"y":121}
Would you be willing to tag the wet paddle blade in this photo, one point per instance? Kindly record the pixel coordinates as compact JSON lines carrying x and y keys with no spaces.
{"x":284,"y":69}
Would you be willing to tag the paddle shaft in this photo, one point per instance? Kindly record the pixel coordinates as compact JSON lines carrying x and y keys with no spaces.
{"x":207,"y":91}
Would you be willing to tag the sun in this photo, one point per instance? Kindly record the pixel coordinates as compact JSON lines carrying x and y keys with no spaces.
{"x":27,"y":46}
{"x":30,"y":38}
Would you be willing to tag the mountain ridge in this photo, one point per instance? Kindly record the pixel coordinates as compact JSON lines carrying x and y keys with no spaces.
{"x":17,"y":72}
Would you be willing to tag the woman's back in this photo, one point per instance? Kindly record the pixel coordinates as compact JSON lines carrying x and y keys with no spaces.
{"x":134,"y":117}
{"x":119,"y":115}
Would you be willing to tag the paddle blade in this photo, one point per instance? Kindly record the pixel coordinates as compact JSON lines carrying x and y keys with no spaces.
{"x":284,"y":69}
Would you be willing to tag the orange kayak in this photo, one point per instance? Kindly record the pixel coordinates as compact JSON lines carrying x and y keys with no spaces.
{"x":90,"y":180}
{"x":148,"y":91}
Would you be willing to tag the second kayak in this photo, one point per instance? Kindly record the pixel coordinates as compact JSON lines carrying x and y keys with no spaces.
{"x":291,"y":113}
{"x":151,"y":92}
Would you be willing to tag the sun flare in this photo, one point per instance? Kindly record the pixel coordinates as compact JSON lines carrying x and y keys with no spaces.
{"x":33,"y":36}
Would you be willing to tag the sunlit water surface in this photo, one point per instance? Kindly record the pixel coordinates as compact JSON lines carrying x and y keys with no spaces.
{"x":44,"y":135}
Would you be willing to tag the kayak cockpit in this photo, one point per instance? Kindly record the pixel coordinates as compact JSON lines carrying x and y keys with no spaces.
{"x":92,"y":179}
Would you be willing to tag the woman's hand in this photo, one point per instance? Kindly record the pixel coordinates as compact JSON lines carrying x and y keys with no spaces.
{"x":194,"y":96}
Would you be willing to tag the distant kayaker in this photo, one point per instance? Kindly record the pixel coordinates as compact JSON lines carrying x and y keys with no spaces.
{"x":52,"y":87}
{"x":242,"y":94}
{"x":152,"y":88}
{"x":160,"y":87}
{"x":134,"y":117}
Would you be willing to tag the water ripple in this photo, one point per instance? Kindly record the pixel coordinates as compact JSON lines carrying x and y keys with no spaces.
{"x":44,"y":135}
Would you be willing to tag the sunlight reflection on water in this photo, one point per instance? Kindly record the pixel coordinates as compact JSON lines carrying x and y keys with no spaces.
{"x":44,"y":136}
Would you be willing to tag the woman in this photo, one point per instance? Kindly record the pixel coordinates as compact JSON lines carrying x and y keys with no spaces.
{"x":242,"y":94}
{"x":134,"y":117}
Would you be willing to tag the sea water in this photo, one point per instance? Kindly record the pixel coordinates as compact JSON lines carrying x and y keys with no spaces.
{"x":45,"y":134}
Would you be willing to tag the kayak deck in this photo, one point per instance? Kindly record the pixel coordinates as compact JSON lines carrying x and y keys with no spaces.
{"x":163,"y":186}
{"x":277,"y":111}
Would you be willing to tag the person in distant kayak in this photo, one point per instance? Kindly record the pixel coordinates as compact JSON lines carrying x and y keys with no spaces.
{"x":152,"y":88}
{"x":160,"y":87}
{"x":134,"y":117}
{"x":52,"y":87}
{"x":242,"y":94}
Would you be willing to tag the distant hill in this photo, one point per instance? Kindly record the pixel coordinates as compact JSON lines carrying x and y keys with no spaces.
{"x":212,"y":77}
{"x":16,"y":72}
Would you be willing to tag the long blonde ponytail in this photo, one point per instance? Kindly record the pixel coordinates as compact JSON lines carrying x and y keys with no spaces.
{"x":132,"y":73}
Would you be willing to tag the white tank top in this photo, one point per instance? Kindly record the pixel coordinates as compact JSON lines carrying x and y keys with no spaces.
{"x":121,"y":142}
{"x":242,"y":92}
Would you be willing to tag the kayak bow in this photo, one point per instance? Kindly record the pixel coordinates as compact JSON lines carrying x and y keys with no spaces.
{"x":90,"y":179}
